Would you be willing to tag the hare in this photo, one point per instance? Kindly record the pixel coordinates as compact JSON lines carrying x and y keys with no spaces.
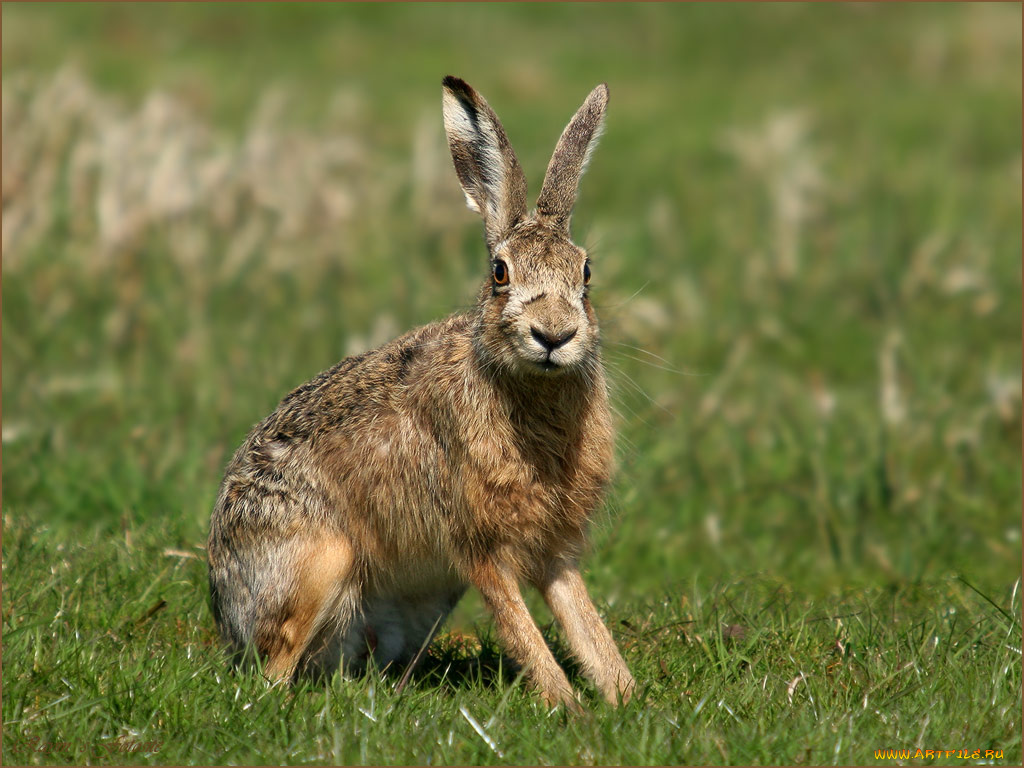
{"x":472,"y":451}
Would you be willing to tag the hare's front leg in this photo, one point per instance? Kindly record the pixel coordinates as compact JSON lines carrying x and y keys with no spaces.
{"x":519,"y":633}
{"x":591,"y":643}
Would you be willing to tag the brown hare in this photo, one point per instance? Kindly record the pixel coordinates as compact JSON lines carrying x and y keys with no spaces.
{"x":472,"y":451}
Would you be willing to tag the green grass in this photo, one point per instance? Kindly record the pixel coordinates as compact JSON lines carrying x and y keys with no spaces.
{"x":806,"y":229}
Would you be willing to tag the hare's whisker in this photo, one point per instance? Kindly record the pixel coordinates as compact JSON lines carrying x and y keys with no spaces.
{"x":668,"y":368}
{"x":625,"y":301}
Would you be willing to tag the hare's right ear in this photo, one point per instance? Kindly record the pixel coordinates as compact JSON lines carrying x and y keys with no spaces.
{"x":484,"y":161}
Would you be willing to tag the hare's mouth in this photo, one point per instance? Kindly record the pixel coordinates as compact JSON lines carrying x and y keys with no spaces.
{"x":548,"y":359}
{"x":551,"y":362}
{"x":548,"y":367}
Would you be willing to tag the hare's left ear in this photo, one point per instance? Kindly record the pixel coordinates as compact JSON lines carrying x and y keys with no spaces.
{"x":561,"y":182}
{"x":484,"y":161}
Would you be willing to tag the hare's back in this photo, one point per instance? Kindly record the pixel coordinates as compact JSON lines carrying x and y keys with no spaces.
{"x":353,"y":432}
{"x":363,"y":387}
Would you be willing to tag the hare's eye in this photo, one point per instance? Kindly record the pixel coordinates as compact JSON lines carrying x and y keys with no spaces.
{"x":586,"y":273}
{"x":500,"y":273}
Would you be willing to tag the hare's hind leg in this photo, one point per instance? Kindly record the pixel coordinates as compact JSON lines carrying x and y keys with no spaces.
{"x":321,"y":591}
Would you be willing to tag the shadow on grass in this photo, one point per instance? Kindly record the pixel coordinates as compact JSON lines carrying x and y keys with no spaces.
{"x":454,"y":661}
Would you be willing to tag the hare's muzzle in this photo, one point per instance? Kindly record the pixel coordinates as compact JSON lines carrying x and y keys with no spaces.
{"x":550,"y":341}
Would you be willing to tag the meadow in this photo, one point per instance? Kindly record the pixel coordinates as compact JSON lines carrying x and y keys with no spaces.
{"x":805,"y":226}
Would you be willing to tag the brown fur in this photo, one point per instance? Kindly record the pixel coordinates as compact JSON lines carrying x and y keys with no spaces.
{"x":322,"y":567}
{"x":472,"y":451}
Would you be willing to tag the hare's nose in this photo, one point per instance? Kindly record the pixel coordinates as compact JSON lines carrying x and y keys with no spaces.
{"x":551,"y":342}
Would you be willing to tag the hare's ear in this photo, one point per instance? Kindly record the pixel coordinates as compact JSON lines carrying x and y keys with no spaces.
{"x":484,"y":161}
{"x":558,"y":194}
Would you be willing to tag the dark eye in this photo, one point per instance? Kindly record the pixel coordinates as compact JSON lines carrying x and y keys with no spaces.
{"x":586,"y":273}
{"x":500,"y":273}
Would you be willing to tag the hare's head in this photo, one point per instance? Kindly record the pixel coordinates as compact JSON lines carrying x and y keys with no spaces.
{"x":536,"y":316}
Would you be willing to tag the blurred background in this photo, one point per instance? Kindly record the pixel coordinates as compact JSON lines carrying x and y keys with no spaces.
{"x":806,"y":234}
